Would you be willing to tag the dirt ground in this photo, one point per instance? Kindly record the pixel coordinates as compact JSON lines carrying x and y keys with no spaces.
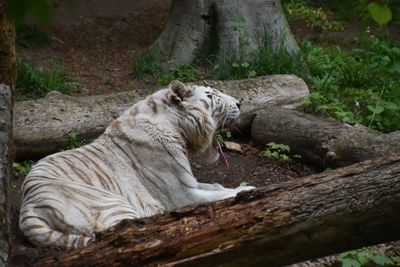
{"x":95,"y":42}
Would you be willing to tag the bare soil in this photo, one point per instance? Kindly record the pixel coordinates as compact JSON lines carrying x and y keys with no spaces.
{"x":95,"y":41}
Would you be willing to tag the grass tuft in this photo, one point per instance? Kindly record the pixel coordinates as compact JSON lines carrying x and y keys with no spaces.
{"x":33,"y":83}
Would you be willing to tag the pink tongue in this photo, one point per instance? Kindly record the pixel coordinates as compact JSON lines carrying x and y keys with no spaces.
{"x":222,"y":157}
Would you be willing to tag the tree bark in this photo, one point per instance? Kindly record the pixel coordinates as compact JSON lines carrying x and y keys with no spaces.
{"x":322,"y":142}
{"x":43,"y":126}
{"x":240,"y":27}
{"x":305,"y":218}
{"x":7,"y":83}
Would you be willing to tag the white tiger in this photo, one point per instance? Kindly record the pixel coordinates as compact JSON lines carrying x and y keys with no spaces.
{"x":137,"y":168}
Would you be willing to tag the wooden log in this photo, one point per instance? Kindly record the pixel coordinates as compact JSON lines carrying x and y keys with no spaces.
{"x":305,"y":218}
{"x":322,"y":142}
{"x":6,"y":157}
{"x":43,"y":126}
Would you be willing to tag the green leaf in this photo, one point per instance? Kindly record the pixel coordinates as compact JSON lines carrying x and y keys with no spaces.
{"x":380,"y":13}
{"x":396,"y":259}
{"x":252,"y":73}
{"x":377,"y":109}
{"x":349,"y":262}
{"x":267,"y":153}
{"x":382,"y":260}
{"x":306,"y":101}
{"x":275,"y":155}
{"x":390,"y":106}
{"x":271,"y":144}
{"x":244,"y":184}
{"x":362,"y":258}
{"x":285,"y":157}
{"x":395,"y":67}
{"x":16,"y":165}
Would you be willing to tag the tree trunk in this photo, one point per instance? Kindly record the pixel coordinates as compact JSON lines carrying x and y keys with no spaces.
{"x":43,"y":126}
{"x":240,"y":27}
{"x":7,"y":83}
{"x":305,"y":218}
{"x":322,"y":142}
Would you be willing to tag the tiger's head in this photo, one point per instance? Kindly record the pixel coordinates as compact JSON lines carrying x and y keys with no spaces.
{"x":202,"y":111}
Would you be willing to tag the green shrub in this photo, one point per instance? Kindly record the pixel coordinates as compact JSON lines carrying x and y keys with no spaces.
{"x":147,"y":63}
{"x":267,"y":60}
{"x":366,"y":257}
{"x":361,"y":84}
{"x":184,"y":73}
{"x":278,"y":151}
{"x":23,"y":168}
{"x":314,"y":17}
{"x":34,"y":83}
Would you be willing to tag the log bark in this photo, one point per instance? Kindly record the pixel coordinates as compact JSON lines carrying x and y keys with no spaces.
{"x":240,"y":28}
{"x":322,"y":142}
{"x":7,"y":83}
{"x":5,"y":169}
{"x":305,"y":218}
{"x":43,"y":126}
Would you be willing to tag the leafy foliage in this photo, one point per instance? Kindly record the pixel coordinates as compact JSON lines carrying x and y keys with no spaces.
{"x":314,"y":17}
{"x":361,"y":84}
{"x":278,"y":151}
{"x":380,"y":13}
{"x":146,"y":64}
{"x":266,"y":60}
{"x":34,"y":83}
{"x":23,"y":168}
{"x":222,"y":135}
{"x":358,"y":258}
{"x":183,"y":73}
{"x":73,"y":142}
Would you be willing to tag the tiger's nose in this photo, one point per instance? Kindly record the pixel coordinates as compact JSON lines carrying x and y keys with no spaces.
{"x":238,"y":105}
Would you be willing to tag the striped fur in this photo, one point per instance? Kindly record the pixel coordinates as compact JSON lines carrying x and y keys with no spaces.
{"x":137,"y":168}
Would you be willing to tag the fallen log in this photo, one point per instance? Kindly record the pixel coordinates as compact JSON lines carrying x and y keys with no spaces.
{"x":305,"y":218}
{"x":322,"y":142}
{"x":43,"y":126}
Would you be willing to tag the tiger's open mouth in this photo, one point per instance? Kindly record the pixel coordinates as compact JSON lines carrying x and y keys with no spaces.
{"x":222,"y":157}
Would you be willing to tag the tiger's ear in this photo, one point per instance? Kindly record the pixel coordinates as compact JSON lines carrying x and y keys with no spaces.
{"x":179,"y":91}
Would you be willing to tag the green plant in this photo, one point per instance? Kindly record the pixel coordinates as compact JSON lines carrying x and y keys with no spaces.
{"x":381,"y":12}
{"x":34,"y":83}
{"x":183,"y":73}
{"x":314,"y":17}
{"x":244,"y":184}
{"x":358,"y":258}
{"x":266,"y":60}
{"x":73,"y":142}
{"x":278,"y":151}
{"x":23,"y":168}
{"x":222,"y":135}
{"x":360,"y":84}
{"x":147,"y":63}
{"x":31,"y":36}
